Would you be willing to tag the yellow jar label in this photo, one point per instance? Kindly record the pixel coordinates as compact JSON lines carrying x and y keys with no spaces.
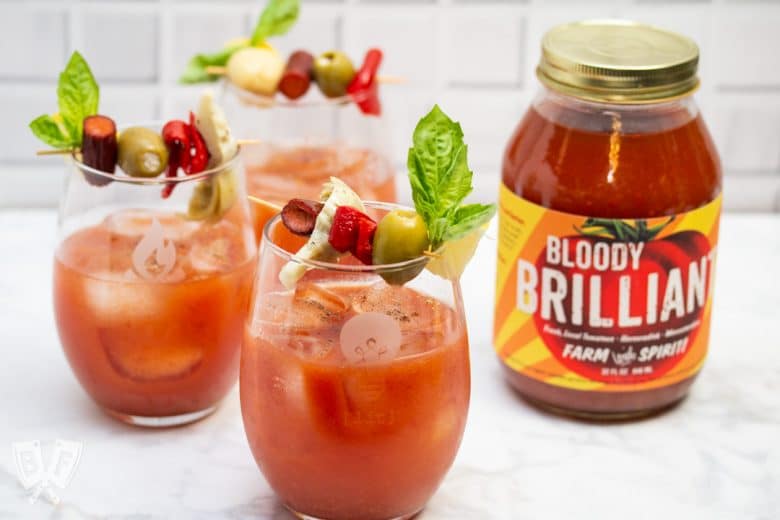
{"x":603,"y":304}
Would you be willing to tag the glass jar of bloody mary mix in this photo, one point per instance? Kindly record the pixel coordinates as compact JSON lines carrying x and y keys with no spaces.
{"x":608,"y":225}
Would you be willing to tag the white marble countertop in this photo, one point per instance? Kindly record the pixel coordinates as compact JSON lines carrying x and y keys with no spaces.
{"x":715,"y":456}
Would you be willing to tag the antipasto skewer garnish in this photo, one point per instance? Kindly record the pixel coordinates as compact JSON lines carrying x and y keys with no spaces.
{"x":382,"y":79}
{"x":70,"y":151}
{"x":252,"y":64}
{"x":440,"y":227}
{"x":202,"y":142}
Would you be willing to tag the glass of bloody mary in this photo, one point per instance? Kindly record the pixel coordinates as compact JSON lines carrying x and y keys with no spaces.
{"x":150,"y":291}
{"x":354,"y":389}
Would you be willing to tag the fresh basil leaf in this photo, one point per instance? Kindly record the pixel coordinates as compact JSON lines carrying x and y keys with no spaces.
{"x":422,"y":194}
{"x":276,"y":19}
{"x":436,"y":141}
{"x":437,"y":227}
{"x":47,"y":129}
{"x":468,"y":218}
{"x":78,"y":95}
{"x":455,"y":184}
{"x":438,"y":171}
{"x":195,"y":72}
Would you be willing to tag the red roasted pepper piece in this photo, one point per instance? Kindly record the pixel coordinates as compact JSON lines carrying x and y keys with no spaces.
{"x":353,"y":231}
{"x":200,"y":153}
{"x":364,"y":245}
{"x":168,"y":188}
{"x":343,"y":231}
{"x":186,"y":150}
{"x":176,"y":136}
{"x":364,"y":87}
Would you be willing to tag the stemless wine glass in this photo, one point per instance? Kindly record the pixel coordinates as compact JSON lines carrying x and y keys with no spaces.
{"x":151,"y":293}
{"x":354,"y":391}
{"x":305,"y":142}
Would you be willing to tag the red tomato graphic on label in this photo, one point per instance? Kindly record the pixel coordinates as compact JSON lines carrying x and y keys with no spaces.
{"x":616,"y":305}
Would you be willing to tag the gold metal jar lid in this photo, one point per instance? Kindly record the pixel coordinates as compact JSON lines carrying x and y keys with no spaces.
{"x":617,"y":61}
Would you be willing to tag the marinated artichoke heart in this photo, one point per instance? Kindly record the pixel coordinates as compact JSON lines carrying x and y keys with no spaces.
{"x":214,"y":196}
{"x":212,"y":124}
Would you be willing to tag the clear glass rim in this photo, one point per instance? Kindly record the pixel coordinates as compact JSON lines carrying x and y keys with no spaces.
{"x":280,"y":101}
{"x":419,"y":261}
{"x":160,"y":180}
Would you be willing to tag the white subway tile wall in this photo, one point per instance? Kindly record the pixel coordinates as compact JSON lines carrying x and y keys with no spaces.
{"x":474,"y":57}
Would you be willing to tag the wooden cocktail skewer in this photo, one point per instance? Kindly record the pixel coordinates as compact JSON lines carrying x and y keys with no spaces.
{"x":57,"y":151}
{"x":263,"y":202}
{"x":386,"y":79}
{"x":389,"y":79}
{"x":242,"y":142}
{"x":66,"y":151}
